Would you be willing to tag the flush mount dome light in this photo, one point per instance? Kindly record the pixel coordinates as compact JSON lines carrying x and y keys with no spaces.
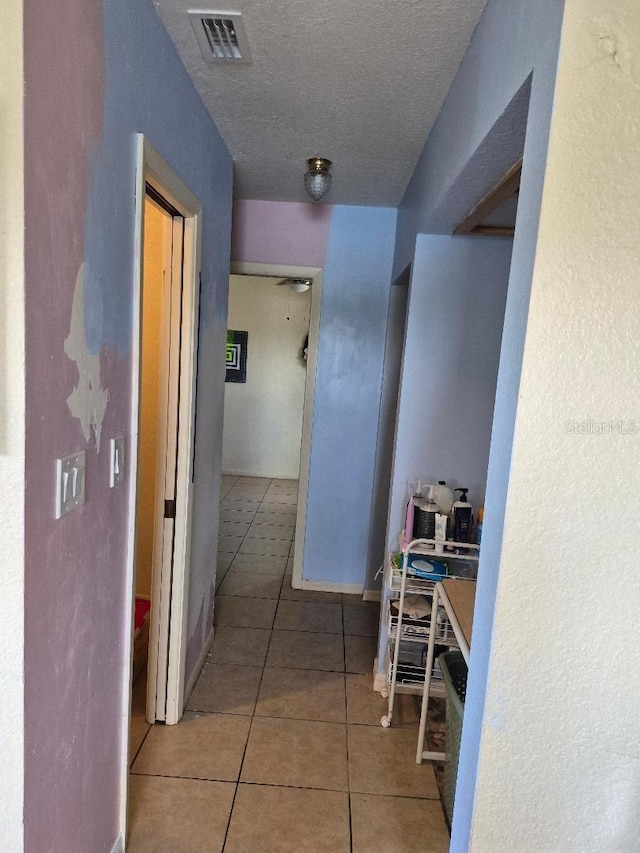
{"x":317,"y":180}
{"x":299,"y":285}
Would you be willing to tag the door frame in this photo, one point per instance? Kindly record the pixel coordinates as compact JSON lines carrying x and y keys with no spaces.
{"x":152,"y":169}
{"x":315,"y":273}
{"x":168,"y":420}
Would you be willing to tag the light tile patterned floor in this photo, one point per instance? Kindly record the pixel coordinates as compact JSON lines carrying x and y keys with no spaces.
{"x":281,"y":747}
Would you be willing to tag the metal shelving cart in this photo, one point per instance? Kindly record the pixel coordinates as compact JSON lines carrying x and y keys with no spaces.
{"x":410,"y":637}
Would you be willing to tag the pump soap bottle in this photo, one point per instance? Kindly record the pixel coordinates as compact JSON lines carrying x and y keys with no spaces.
{"x":462,"y":517}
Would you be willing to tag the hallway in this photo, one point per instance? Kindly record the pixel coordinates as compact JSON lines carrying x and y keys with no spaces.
{"x":280,"y":748}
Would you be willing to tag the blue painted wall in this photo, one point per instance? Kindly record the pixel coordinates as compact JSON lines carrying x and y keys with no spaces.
{"x":514,"y":47}
{"x":149,"y":91}
{"x":512,"y":38}
{"x":519,"y":30}
{"x":355,"y":296}
{"x":452,"y":348}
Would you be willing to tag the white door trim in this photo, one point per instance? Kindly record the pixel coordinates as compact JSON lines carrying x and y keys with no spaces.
{"x":242,"y":268}
{"x":152,"y":169}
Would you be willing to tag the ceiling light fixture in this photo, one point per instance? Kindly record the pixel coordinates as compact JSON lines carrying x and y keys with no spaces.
{"x":317,"y":180}
{"x":299,"y":285}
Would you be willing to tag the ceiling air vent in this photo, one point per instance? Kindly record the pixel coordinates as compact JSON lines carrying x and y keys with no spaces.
{"x":221,"y":36}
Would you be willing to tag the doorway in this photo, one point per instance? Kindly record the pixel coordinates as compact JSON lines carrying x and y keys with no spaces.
{"x":165,"y":323}
{"x":264,"y":399}
{"x":159,"y":428}
{"x":314,"y":274}
{"x":388,"y":413}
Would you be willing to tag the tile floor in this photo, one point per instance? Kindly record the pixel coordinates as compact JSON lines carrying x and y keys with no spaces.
{"x":281,"y":747}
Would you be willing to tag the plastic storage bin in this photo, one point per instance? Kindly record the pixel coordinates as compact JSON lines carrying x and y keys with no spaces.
{"x":454,"y":671}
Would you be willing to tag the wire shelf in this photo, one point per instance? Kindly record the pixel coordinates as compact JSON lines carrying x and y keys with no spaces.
{"x":458,"y":566}
{"x":410,"y":677}
{"x":442,"y":549}
{"x":418,"y":630}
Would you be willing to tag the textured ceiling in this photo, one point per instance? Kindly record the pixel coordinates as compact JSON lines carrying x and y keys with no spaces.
{"x":358,"y":81}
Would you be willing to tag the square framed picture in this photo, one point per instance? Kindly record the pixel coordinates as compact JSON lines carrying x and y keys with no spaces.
{"x":236,"y":360}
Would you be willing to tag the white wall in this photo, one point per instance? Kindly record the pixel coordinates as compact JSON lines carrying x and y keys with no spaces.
{"x":12,"y":416}
{"x":263,"y":417}
{"x":558,"y":761}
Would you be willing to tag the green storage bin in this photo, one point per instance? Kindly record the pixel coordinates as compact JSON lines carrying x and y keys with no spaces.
{"x":454,"y":671}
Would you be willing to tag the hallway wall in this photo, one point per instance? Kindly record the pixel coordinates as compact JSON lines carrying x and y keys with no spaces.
{"x":507,"y":76}
{"x":355,"y":304}
{"x":80,"y":151}
{"x":452,"y":347}
{"x":559,"y":702}
{"x":355,"y":247}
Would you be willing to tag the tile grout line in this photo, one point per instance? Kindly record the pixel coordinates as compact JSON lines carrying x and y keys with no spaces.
{"x":137,"y":753}
{"x":255,"y":704}
{"x":264,"y":667}
{"x":244,"y":535}
{"x":244,"y":751}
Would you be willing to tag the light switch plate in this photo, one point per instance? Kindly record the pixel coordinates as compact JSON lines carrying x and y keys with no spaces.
{"x":69,"y":483}
{"x":116,"y":467}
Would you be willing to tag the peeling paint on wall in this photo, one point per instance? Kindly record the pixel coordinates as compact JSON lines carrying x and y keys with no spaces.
{"x":88,"y":400}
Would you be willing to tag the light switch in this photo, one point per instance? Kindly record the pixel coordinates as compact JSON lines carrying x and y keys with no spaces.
{"x":69,"y":483}
{"x":116,"y":470}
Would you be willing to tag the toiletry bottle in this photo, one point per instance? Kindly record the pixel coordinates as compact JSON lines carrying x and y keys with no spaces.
{"x":443,"y":496}
{"x":424,"y":520}
{"x":440,"y":531}
{"x":479,"y":520}
{"x":408,"y":523}
{"x":463,"y":517}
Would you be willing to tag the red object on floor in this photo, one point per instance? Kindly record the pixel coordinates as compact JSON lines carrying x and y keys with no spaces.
{"x":142,"y":609}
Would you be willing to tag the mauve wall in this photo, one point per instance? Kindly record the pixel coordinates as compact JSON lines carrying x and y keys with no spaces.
{"x":273,"y":232}
{"x":89,"y":87}
{"x":354,"y":245}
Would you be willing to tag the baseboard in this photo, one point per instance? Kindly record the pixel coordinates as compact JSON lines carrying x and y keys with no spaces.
{"x":118,"y":845}
{"x":372,"y":595}
{"x":199,"y":664}
{"x":260,"y":474}
{"x":323,"y":586}
{"x":379,"y":681}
